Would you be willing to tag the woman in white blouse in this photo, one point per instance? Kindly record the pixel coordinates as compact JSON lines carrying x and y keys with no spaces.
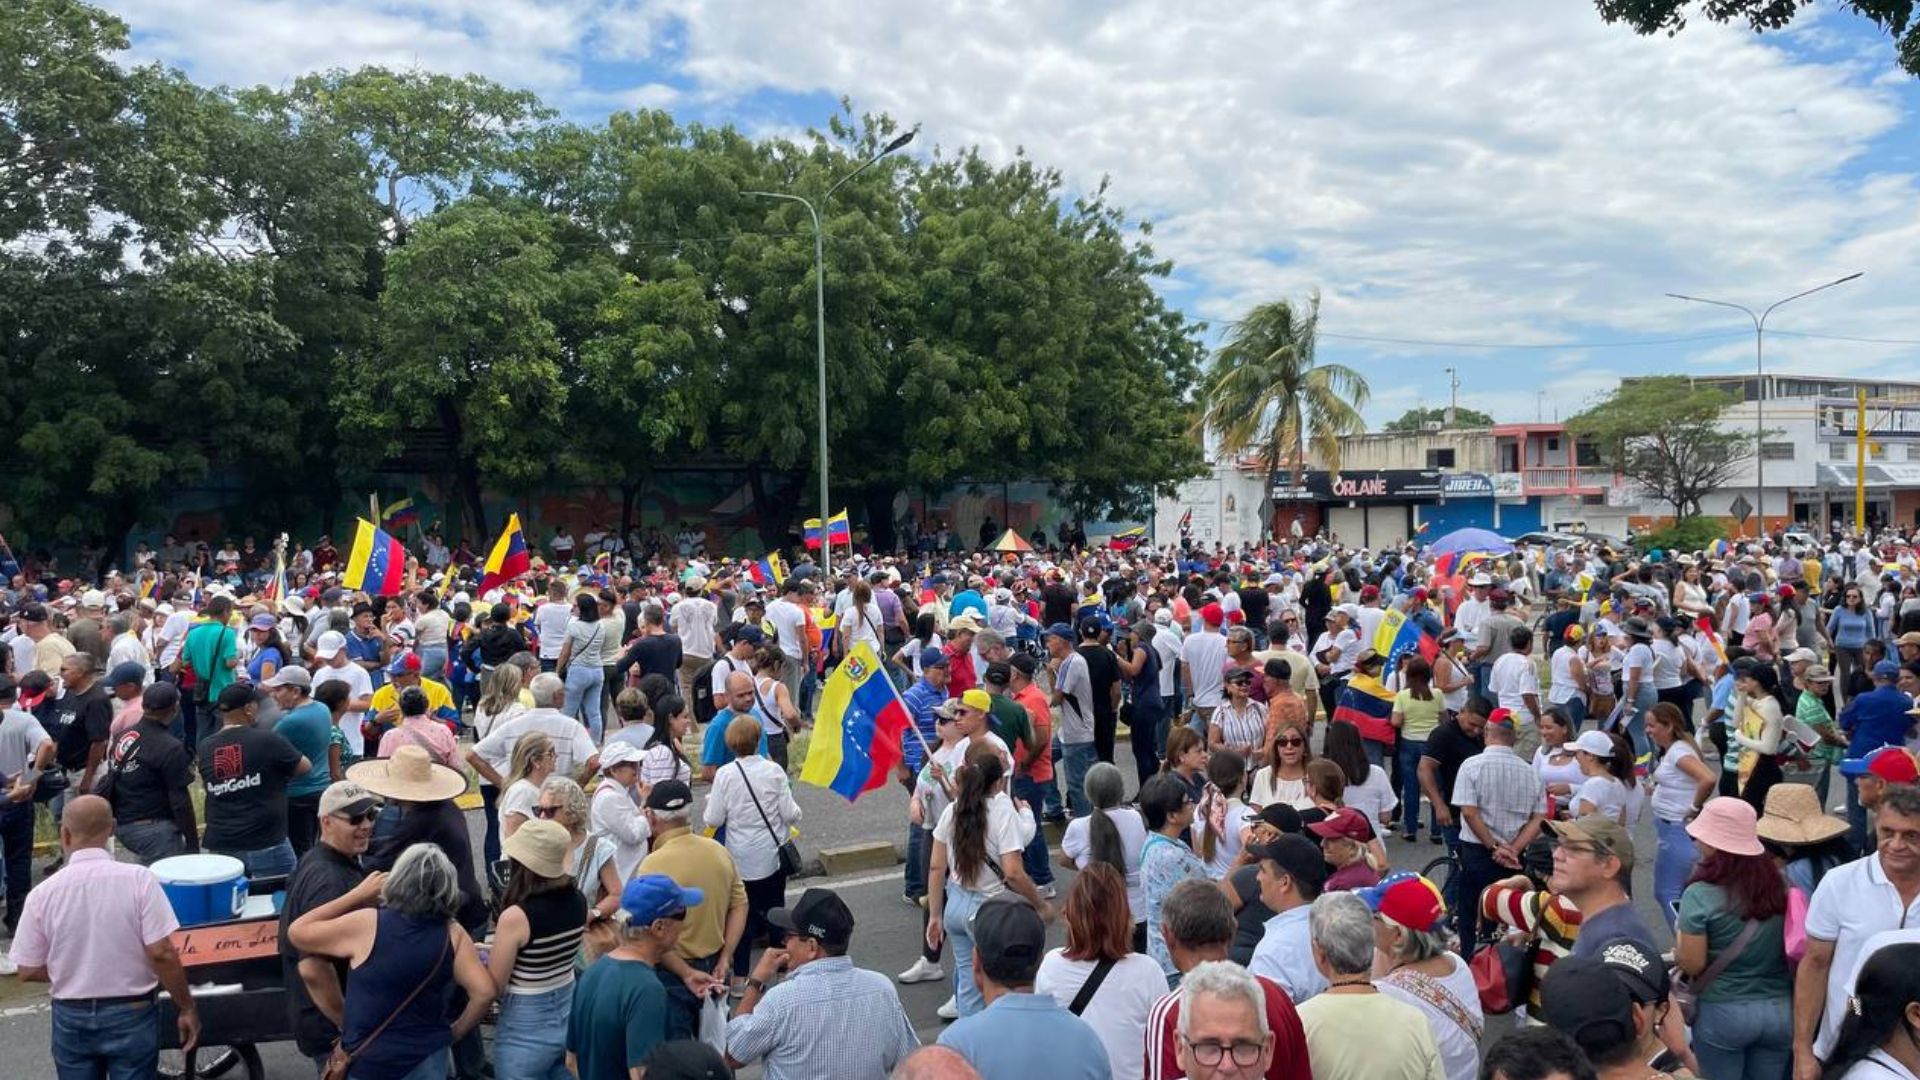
{"x":616,"y":815}
{"x":1568,"y":677}
{"x":1554,"y":762}
{"x":663,"y":758}
{"x":753,"y":800}
{"x":1284,"y":781}
{"x":1602,"y":757}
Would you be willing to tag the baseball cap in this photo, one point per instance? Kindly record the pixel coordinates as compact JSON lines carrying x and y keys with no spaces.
{"x":820,"y":915}
{"x":93,"y":598}
{"x":1297,"y":857}
{"x":34,"y":612}
{"x":1890,"y":763}
{"x":752,"y":635}
{"x":262,"y":621}
{"x":291,"y":675}
{"x":1408,"y":900}
{"x":1600,"y":830}
{"x":1886,"y":671}
{"x":669,"y":795}
{"x":1024,"y":664}
{"x":620,"y":752}
{"x":329,"y":645}
{"x":125,"y":673}
{"x":1808,"y":656}
{"x":649,"y":897}
{"x":998,"y":673}
{"x":405,"y":664}
{"x":1059,"y":630}
{"x":976,"y":698}
{"x":963,"y":621}
{"x":1591,"y":998}
{"x":1212,"y":615}
{"x":1346,"y":823}
{"x":1009,"y":939}
{"x":932,"y":657}
{"x":159,"y":698}
{"x":345,"y":797}
{"x":238,"y":696}
{"x":1596,"y":743}
{"x":1501,"y":718}
{"x":1281,"y":816}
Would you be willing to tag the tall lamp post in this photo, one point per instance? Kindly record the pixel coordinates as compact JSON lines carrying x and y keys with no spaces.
{"x":1759,"y":383}
{"x":820,"y":326}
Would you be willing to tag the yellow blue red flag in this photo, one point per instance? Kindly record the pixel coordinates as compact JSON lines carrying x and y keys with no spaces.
{"x":857,"y":728}
{"x":508,"y":559}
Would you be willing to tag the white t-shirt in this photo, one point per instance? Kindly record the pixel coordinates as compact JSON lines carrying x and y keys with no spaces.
{"x":1854,"y":903}
{"x":1077,"y":844}
{"x":1602,"y":794}
{"x":1673,"y":789}
{"x":1668,"y":658}
{"x":1374,"y":797}
{"x":1008,"y":832}
{"x":1226,"y":846}
{"x":430,"y":630}
{"x":1511,"y":679}
{"x":174,"y":633}
{"x":1459,"y":1052}
{"x":1639,"y":658}
{"x":569,"y":737}
{"x":520,"y":798}
{"x":359,"y":684}
{"x":693,"y":619}
{"x":550,"y":621}
{"x":1562,"y":688}
{"x":1166,"y":644}
{"x":1119,"y":1009}
{"x":789,"y":622}
{"x":1205,"y":654}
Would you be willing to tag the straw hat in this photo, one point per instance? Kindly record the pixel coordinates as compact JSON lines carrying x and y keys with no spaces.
{"x":544,"y":847}
{"x":409,"y":776}
{"x":1794,"y":816}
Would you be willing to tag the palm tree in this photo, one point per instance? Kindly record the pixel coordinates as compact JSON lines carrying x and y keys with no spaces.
{"x":1264,"y":392}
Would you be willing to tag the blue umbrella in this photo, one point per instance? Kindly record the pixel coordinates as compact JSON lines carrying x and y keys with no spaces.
{"x":1464,"y":540}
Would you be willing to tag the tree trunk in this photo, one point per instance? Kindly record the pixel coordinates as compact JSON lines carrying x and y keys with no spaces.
{"x":629,"y":492}
{"x":466,"y":473}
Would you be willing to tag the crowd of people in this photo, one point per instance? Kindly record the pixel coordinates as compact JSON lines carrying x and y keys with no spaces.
{"x":1229,"y":904}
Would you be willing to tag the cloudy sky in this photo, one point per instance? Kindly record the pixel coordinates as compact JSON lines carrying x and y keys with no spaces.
{"x":1492,"y":172}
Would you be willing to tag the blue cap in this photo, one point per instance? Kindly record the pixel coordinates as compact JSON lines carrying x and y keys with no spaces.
{"x":752,"y":635}
{"x":932,"y":657}
{"x":656,"y":896}
{"x":1095,"y":620}
{"x":1890,"y":763}
{"x":1059,"y":630}
{"x":1886,"y":670}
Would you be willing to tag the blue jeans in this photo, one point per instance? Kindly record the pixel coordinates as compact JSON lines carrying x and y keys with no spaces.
{"x":150,"y":841}
{"x":434,"y":1067}
{"x":275,"y":861}
{"x":1857,"y":820}
{"x":1646,"y":699}
{"x":433,"y":662}
{"x":962,"y":902}
{"x":531,"y":1038}
{"x":1672,"y":865}
{"x":1477,"y":871}
{"x":919,"y":853}
{"x":1035,"y":856}
{"x":1745,"y":1040}
{"x":1410,"y":752}
{"x":117,"y":1042}
{"x":1076,"y":759}
{"x":1576,"y":707}
{"x":584,"y":683}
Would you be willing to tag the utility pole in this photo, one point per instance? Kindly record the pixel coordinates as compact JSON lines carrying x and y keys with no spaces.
{"x":1453,"y":395}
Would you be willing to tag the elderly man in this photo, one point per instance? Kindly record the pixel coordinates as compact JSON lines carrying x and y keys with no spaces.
{"x":620,"y":1008}
{"x":828,"y":1018}
{"x":1020,"y":1028}
{"x":100,"y":932}
{"x":576,"y":755}
{"x":1353,"y":1031}
{"x":329,"y":870}
{"x":1198,"y":925}
{"x":715,"y":925}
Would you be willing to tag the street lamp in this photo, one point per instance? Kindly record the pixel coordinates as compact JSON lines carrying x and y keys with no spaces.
{"x":820,"y":326}
{"x":1759,"y":384}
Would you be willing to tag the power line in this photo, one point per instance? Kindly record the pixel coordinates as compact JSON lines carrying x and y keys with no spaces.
{"x":1721,"y":336}
{"x":1843,"y":337}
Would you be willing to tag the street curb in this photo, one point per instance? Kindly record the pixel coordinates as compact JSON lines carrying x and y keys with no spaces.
{"x":873,"y":855}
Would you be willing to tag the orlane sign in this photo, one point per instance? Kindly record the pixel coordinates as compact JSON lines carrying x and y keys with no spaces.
{"x":1405,"y":485}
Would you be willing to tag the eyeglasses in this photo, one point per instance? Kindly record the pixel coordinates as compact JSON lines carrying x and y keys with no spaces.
{"x":546,"y":811}
{"x":1210,"y":1053}
{"x":361,"y":818}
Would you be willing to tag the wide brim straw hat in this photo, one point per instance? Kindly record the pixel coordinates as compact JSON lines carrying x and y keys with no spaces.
{"x":1794,"y":816}
{"x":409,"y":776}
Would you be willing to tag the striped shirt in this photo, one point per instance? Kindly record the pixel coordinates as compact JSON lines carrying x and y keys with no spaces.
{"x":1551,"y":921}
{"x":1503,"y":788}
{"x":1242,"y":725}
{"x":555,"y":920}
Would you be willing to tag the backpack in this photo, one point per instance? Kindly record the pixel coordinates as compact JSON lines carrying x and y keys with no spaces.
{"x":703,"y":710}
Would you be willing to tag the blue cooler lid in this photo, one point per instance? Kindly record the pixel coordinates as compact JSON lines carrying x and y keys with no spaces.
{"x":198,"y":869}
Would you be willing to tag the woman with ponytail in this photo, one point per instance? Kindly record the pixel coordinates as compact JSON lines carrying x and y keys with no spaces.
{"x":1222,"y":816}
{"x":1880,"y":1036}
{"x":977,"y":849}
{"x":1113,"y":834}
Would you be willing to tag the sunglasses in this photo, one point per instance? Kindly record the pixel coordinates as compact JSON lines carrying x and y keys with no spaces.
{"x":361,"y":818}
{"x":546,"y":811}
{"x":1289,"y":742}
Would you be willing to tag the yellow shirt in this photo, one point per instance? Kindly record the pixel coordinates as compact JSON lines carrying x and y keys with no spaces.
{"x":703,"y":864}
{"x":439,"y":700}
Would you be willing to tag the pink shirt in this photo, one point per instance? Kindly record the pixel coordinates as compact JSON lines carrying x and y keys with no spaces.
{"x":90,"y":924}
{"x":428,"y":734}
{"x":124,"y":719}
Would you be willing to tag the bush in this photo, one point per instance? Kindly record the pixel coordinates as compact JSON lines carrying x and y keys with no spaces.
{"x":1687,"y":534}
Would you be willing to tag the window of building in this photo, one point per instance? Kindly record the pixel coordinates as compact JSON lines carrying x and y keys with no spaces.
{"x":1586,"y":455}
{"x":1839,"y":451}
{"x":1440,"y":458}
{"x":1553,"y":444}
{"x":1776,"y":451}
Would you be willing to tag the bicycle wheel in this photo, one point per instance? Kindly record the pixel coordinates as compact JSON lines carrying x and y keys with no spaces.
{"x":1441,"y":872}
{"x":208,"y":1061}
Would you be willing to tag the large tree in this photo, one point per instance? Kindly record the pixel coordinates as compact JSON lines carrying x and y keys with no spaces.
{"x":1895,"y":17}
{"x":1418,"y":419}
{"x":1664,"y":434}
{"x":1265,"y":390}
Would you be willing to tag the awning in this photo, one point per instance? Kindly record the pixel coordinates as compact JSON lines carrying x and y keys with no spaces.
{"x":1878,"y":475}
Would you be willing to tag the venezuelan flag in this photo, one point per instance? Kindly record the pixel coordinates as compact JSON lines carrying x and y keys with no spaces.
{"x":1127,"y":540}
{"x":508,"y":559}
{"x":377,"y":564}
{"x":838,"y":531}
{"x":857,"y":729}
{"x":810,"y":533}
{"x":401,"y":514}
{"x":1398,"y":636}
{"x":1367,"y":705}
{"x":770,"y":572}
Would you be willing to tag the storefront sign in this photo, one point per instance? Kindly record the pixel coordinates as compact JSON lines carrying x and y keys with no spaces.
{"x":1390,"y":485}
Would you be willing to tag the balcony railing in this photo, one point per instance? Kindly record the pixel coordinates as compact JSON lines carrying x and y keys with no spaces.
{"x":1562,"y":478}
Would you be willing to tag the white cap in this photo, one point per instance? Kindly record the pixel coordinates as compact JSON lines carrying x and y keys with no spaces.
{"x":329,"y":645}
{"x":619,"y":752}
{"x":93,"y":598}
{"x":1596,"y":743}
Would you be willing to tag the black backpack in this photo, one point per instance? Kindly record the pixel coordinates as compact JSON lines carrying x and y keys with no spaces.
{"x":703,"y":710}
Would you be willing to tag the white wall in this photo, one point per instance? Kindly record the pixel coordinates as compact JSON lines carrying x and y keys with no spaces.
{"x":1225,"y":505}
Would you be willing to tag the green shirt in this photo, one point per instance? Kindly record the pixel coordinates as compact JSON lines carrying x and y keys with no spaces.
{"x":619,"y":1015}
{"x":207,"y":648}
{"x":1011,"y":722}
{"x":1811,"y":711}
{"x":1760,"y":971}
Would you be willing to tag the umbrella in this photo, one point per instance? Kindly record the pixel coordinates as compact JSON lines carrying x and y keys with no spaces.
{"x":1011,"y":541}
{"x":1464,"y":540}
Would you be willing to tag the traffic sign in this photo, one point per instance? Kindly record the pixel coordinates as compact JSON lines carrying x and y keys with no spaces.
{"x":1742,"y":509}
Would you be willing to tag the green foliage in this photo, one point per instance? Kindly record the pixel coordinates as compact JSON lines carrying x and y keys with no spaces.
{"x":1418,"y":419}
{"x":1664,"y":433}
{"x":1686,"y":534}
{"x":1896,"y":17}
{"x":1265,"y":392}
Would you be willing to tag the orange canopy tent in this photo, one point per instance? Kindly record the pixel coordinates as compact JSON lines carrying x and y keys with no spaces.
{"x":1011,"y":541}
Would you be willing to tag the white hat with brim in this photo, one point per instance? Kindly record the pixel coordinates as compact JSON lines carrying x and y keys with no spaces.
{"x":409,"y":776}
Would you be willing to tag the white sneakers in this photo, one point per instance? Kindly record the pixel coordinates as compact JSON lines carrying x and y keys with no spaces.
{"x":949,"y":1011}
{"x":7,"y":966}
{"x":1046,"y":891}
{"x":923,"y":970}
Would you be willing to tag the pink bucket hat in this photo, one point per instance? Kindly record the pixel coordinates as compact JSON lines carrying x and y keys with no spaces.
{"x":1727,"y":824}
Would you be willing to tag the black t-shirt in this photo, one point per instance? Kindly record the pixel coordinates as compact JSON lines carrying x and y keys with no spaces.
{"x":76,"y":722}
{"x":656,"y":654}
{"x":1450,"y":746}
{"x":437,"y":823}
{"x":1103,"y":668}
{"x":1250,"y":922}
{"x":322,"y":875}
{"x":148,"y":766}
{"x":245,"y":771}
{"x":1056,"y":604}
{"x":1253,"y":605}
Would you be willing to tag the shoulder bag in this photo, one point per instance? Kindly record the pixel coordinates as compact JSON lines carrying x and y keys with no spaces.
{"x":1687,"y":990}
{"x":1091,"y":987}
{"x":789,"y":851}
{"x":341,"y":1060}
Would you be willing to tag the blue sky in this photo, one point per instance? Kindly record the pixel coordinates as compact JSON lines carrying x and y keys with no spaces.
{"x":1489,"y":171}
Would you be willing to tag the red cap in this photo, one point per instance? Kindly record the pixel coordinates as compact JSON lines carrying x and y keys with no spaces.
{"x":1346,"y":823}
{"x":1420,"y":593}
{"x":1212,"y":615}
{"x":1501,"y":716}
{"x":1786,"y":590}
{"x":1368,"y":592}
{"x":1236,"y":617}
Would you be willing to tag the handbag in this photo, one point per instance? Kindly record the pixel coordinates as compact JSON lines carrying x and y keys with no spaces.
{"x":1091,"y":987}
{"x":789,"y":851}
{"x":1687,"y":989}
{"x":1796,"y":928}
{"x":340,"y":1059}
{"x":1503,"y":974}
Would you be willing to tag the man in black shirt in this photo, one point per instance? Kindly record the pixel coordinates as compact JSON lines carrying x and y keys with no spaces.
{"x":1453,"y":742}
{"x":1103,"y":669}
{"x":1057,"y":600}
{"x":497,"y":643}
{"x":329,"y":870}
{"x":1254,"y":603}
{"x":245,"y":770}
{"x":147,"y":774}
{"x":655,"y":650}
{"x":80,"y":720}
